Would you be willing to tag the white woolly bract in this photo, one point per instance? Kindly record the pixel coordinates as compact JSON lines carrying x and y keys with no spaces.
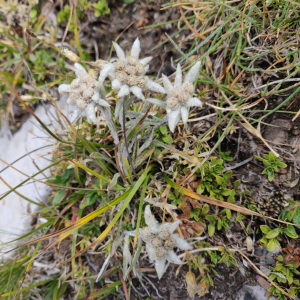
{"x":120,"y":52}
{"x":151,"y":252}
{"x":178,"y":77}
{"x":181,"y":243}
{"x":170,"y":226}
{"x":150,"y":219}
{"x":173,"y":119}
{"x":79,"y":70}
{"x":184,"y":114}
{"x":160,"y":267}
{"x":75,"y":115}
{"x":173,"y":258}
{"x":108,"y":69}
{"x":155,"y":87}
{"x":90,"y":112}
{"x":167,"y":84}
{"x":145,"y":60}
{"x":116,"y":84}
{"x":137,"y":91}
{"x":136,"y":48}
{"x":191,"y":76}
{"x":193,"y":102}
{"x":64,"y":88}
{"x":124,"y":91}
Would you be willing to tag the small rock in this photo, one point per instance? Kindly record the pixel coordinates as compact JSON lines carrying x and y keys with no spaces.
{"x":296,"y":131}
{"x":269,"y":258}
{"x":252,"y":293}
{"x":278,"y":134}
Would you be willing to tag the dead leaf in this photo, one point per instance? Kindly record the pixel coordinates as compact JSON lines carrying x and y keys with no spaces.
{"x":263,"y":282}
{"x":198,"y":226}
{"x":282,"y":171}
{"x":203,"y":288}
{"x":296,"y":131}
{"x":294,"y":183}
{"x":249,"y":242}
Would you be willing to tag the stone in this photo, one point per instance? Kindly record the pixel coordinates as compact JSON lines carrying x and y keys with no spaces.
{"x":255,"y":292}
{"x":278,"y":134}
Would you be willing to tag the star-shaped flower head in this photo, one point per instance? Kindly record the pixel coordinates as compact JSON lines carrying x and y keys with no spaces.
{"x":84,"y":92}
{"x":128,"y":73}
{"x":160,"y":241}
{"x":180,"y":96}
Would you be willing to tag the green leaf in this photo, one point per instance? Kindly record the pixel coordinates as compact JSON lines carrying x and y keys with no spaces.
{"x":219,"y":179}
{"x":272,"y":277}
{"x":33,"y":13}
{"x":264,"y":240}
{"x":91,"y":198}
{"x":273,"y":233}
{"x":270,"y":175}
{"x":259,"y":158}
{"x":296,"y":217}
{"x":163,"y":129}
{"x":237,"y":183}
{"x":290,"y":231}
{"x":167,"y":139}
{"x":200,"y":189}
{"x":226,"y":192}
{"x":58,"y":197}
{"x":265,"y":229}
{"x":272,"y":155}
{"x":281,"y":165}
{"x":210,"y":218}
{"x":220,"y":224}
{"x":231,"y":199}
{"x":239,"y":218}
{"x":205,"y":209}
{"x":289,"y":276}
{"x":227,"y":175}
{"x":266,"y":163}
{"x":272,"y":245}
{"x":280,"y":258}
{"x":228,"y":213}
{"x":211,"y":229}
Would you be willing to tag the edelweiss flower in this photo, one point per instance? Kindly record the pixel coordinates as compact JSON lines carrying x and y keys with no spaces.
{"x":84,"y":91}
{"x":128,"y":74}
{"x":180,"y":96}
{"x":160,"y":242}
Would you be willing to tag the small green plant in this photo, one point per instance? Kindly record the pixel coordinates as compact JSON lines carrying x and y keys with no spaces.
{"x":271,"y":238}
{"x":164,"y":136}
{"x":222,"y":221}
{"x":226,"y":156}
{"x":100,"y":8}
{"x":272,"y":164}
{"x":227,"y":257}
{"x":284,"y":276}
{"x":292,"y":212}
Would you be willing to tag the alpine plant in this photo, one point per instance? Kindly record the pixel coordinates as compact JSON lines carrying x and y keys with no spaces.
{"x":84,"y":92}
{"x":160,"y":242}
{"x":127,"y":76}
{"x":128,"y":73}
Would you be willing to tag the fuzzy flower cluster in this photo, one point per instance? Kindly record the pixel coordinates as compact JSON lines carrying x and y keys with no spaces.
{"x":128,"y":73}
{"x":160,"y":241}
{"x":128,"y":76}
{"x":84,"y":92}
{"x":180,"y":95}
